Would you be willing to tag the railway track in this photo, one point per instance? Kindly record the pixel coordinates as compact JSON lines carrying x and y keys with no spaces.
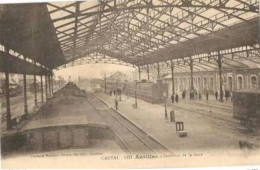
{"x":134,"y":140}
{"x":220,"y":112}
{"x":220,"y":120}
{"x":215,"y":106}
{"x":17,"y":110}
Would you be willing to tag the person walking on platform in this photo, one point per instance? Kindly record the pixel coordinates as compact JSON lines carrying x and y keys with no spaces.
{"x":200,"y":96}
{"x":116,"y":104}
{"x":172,"y":97}
{"x":216,"y":95}
{"x":176,"y":98}
{"x":110,"y":93}
{"x":207,"y":95}
{"x":114,"y":92}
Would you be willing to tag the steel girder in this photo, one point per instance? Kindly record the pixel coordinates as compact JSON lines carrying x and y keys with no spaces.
{"x":134,"y":30}
{"x":231,"y":58}
{"x":95,"y":58}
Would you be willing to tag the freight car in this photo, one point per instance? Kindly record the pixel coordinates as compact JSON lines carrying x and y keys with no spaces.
{"x":151,"y":92}
{"x":246,"y":107}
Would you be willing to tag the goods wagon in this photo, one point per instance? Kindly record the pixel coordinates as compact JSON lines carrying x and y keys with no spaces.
{"x":246,"y":107}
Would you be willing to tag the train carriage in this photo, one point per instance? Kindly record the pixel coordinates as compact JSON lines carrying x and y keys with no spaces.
{"x":151,"y":92}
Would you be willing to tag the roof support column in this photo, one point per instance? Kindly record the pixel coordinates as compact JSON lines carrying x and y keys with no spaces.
{"x":46,"y":87}
{"x":139,"y":73}
{"x":49,"y":83}
{"x":219,"y":60}
{"x":35,"y":89}
{"x":148,"y":76}
{"x":158,"y":71}
{"x":7,"y":94}
{"x":52,"y":83}
{"x":172,"y":71}
{"x":191,"y":74}
{"x":41,"y":89}
{"x":25,"y":96}
{"x":105,"y":83}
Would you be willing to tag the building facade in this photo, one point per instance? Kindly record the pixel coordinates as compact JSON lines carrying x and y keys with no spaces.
{"x":209,"y":80}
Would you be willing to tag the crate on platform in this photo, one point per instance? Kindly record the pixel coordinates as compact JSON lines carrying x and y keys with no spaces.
{"x":180,"y":129}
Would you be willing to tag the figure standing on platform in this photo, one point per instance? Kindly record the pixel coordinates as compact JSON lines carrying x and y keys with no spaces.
{"x":216,"y":95}
{"x":183,"y":95}
{"x":200,"y":96}
{"x":110,"y":93}
{"x":207,"y":95}
{"x":177,"y":98}
{"x":116,"y":104}
{"x":227,"y":94}
{"x":172,"y":97}
{"x":195,"y":95}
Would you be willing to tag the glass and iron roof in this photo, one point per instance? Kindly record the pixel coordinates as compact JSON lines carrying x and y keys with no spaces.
{"x":137,"y":32}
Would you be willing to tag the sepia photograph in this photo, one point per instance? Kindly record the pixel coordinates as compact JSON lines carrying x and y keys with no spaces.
{"x":130,"y":84}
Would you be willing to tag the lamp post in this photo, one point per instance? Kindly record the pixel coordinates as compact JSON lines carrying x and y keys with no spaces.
{"x":135,"y":95}
{"x":165,"y":96}
{"x":105,"y":82}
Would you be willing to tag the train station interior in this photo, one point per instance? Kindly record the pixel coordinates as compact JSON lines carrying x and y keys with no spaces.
{"x":194,"y":83}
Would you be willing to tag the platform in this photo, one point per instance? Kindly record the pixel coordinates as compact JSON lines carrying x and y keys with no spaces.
{"x":67,"y":110}
{"x":210,"y":107}
{"x":63,"y":122}
{"x":151,"y":118}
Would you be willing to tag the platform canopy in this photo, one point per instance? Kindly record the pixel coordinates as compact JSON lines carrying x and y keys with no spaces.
{"x":27,"y":30}
{"x":137,"y":32}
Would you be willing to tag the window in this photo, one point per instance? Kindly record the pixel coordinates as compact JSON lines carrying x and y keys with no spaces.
{"x":239,"y":82}
{"x":253,"y":82}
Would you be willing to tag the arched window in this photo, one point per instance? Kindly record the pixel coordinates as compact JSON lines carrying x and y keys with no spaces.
{"x":199,"y":83}
{"x":195,"y":83}
{"x":184,"y":83}
{"x":253,"y":82}
{"x":176,"y":84}
{"x":188,"y":83}
{"x":211,"y":84}
{"x":181,"y":84}
{"x":240,"y":82}
{"x":205,"y":83}
{"x":230,"y":83}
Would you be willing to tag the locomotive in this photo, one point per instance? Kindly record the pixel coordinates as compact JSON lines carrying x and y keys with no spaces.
{"x":148,"y":91}
{"x":246,"y":108}
{"x":14,"y":90}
